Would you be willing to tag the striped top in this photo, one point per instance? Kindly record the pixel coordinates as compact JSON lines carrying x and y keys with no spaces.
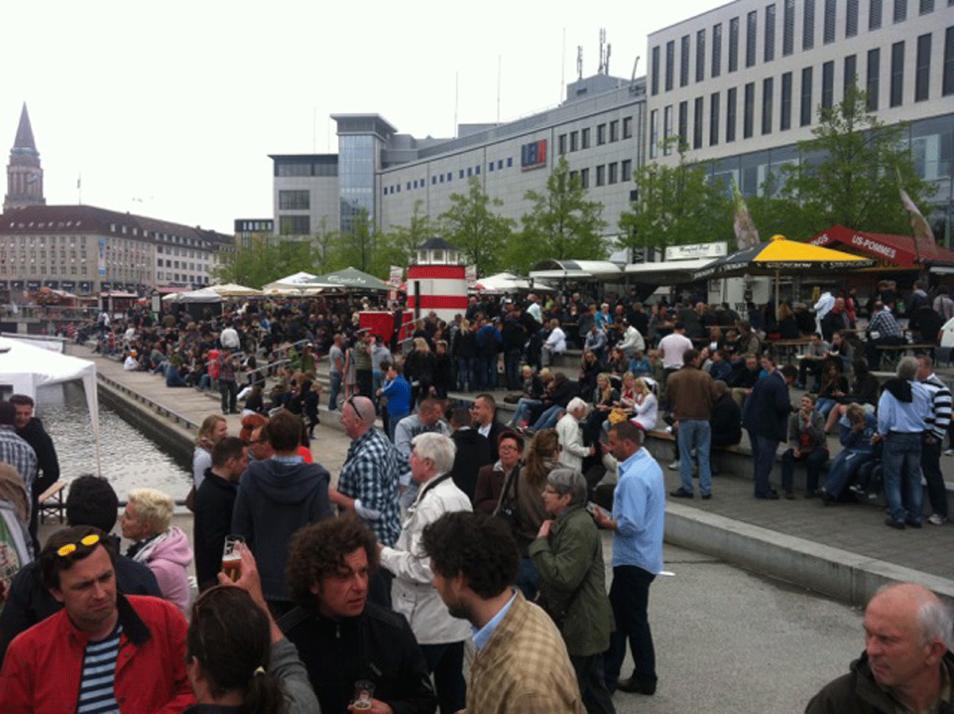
{"x":940,"y":415}
{"x":97,"y":694}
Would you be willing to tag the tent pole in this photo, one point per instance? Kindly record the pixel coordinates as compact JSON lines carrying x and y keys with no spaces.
{"x":777,"y":306}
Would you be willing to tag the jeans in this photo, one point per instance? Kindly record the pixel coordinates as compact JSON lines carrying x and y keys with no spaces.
{"x":809,"y":365}
{"x":205,"y":382}
{"x":549,"y":418}
{"x":512,"y":368}
{"x":528,"y":578}
{"x":814,"y":460}
{"x":465,"y":374}
{"x":547,"y":355}
{"x":763,"y":458}
{"x":843,"y":468}
{"x":589,"y":677}
{"x":524,"y":408}
{"x":335,"y":378}
{"x":629,"y":597}
{"x":365,"y":382}
{"x":486,"y":371}
{"x":901,"y":460}
{"x":446,"y":662}
{"x":229,"y":391}
{"x":695,"y":434}
{"x":931,"y":466}
{"x":825,"y":405}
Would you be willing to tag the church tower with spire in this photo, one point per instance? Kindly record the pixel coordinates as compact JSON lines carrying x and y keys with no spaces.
{"x":24,"y":174}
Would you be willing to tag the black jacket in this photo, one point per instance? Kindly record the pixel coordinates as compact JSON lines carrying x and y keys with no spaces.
{"x":768,"y":407}
{"x":858,"y":693}
{"x":378,"y":645}
{"x":514,"y":335}
{"x":496,"y":429}
{"x":29,"y":602}
{"x":214,"y":501}
{"x":274,"y":500}
{"x":473,"y":453}
{"x":49,"y":466}
{"x":726,"y":422}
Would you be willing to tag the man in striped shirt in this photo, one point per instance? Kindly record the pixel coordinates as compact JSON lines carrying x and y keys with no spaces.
{"x":937,"y":424}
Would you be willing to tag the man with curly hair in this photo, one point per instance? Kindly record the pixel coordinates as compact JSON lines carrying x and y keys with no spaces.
{"x":342,"y":637}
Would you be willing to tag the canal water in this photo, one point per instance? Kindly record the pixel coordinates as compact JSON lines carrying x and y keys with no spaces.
{"x":129,"y":458}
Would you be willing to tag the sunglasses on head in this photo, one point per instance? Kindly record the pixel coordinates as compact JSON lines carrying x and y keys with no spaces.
{"x":70,"y":548}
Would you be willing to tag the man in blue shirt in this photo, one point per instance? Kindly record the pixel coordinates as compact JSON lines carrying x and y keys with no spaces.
{"x":397,"y":390}
{"x":639,"y":506}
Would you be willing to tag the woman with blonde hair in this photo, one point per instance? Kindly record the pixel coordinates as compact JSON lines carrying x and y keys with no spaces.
{"x":214,"y":428}
{"x":646,"y":406}
{"x":161,"y":546}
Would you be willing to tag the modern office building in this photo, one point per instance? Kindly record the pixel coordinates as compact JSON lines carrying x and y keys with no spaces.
{"x":387,"y":175}
{"x":248,"y":228}
{"x":741,"y":85}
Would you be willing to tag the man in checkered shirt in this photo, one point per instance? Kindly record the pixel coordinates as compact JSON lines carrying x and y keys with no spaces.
{"x":883,"y":329}
{"x":15,"y":450}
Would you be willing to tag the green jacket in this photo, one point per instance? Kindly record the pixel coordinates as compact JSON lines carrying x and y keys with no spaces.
{"x":573,"y":581}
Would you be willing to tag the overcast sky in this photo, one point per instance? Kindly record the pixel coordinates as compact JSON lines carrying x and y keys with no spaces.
{"x":169,"y":109}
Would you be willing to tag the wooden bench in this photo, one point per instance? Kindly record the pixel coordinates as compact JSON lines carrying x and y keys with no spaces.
{"x":891,"y":354}
{"x":50,"y":502}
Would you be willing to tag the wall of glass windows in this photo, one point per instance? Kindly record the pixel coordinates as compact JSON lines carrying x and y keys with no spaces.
{"x":356,"y":164}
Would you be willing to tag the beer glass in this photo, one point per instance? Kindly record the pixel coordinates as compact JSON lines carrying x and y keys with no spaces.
{"x":232,"y":557}
{"x":363,"y":695}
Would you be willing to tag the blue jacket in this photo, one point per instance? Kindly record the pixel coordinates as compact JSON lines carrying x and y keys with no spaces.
{"x":398,"y":392}
{"x":768,"y":407}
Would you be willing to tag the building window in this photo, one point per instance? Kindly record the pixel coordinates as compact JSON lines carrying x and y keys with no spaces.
{"x":574,"y":140}
{"x":828,"y":35}
{"x":922,"y":72}
{"x":751,"y":32}
{"x":667,"y":130}
{"x":808,"y":25}
{"x":748,"y":111}
{"x":600,"y":175}
{"x":714,"y":119}
{"x":290,"y":226}
{"x":897,"y":74}
{"x":653,"y":132}
{"x":509,"y":162}
{"x":851,"y":74}
{"x":851,"y":18}
{"x":716,"y":50}
{"x":788,"y":28}
{"x":585,"y":138}
{"x":926,"y":6}
{"x":768,"y":96}
{"x":828,"y":85}
{"x":613,"y":176}
{"x":600,"y":134}
{"x":900,"y":10}
{"x":561,"y":144}
{"x":684,"y":61}
{"x":654,"y":80}
{"x":785,"y":120}
{"x":700,"y":55}
{"x":477,"y":170}
{"x":293,"y":200}
{"x":875,"y":11}
{"x":683,"y":123}
{"x":947,"y":86}
{"x":470,"y":172}
{"x":697,"y":123}
{"x":627,"y":127}
{"x":768,"y":52}
{"x":805,"y":114}
{"x":872,"y":78}
{"x":499,"y":166}
{"x":626,"y":170}
{"x":670,"y":62}
{"x":730,"y":112}
{"x":614,"y":130}
{"x":733,"y":44}
{"x":584,"y":178}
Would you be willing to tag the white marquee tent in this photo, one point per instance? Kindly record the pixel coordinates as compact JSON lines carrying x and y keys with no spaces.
{"x":26,"y":368}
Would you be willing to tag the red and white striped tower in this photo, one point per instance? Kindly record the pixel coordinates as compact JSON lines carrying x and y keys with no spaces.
{"x":437,"y":281}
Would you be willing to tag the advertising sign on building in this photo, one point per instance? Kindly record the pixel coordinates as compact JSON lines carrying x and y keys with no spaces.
{"x":533,"y":155}
{"x":395,"y":275}
{"x":697,"y":250}
{"x":101,"y":258}
{"x":470,"y":274}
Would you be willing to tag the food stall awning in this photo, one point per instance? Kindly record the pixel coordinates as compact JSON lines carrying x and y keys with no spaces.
{"x":666,"y":272}
{"x":579,"y":269}
{"x":889,"y":248}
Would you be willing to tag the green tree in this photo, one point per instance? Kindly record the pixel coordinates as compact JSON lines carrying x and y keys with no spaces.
{"x":473,"y":228}
{"x":266,"y":259}
{"x":676,"y":205}
{"x":399,"y":245}
{"x":354,"y":248}
{"x":561,"y":223}
{"x":849,"y":173}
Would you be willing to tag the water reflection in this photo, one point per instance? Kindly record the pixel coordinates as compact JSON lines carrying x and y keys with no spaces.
{"x":129,"y":458}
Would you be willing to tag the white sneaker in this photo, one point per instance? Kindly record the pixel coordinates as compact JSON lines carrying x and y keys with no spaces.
{"x":936,"y":519}
{"x":674,"y":466}
{"x":949,"y":452}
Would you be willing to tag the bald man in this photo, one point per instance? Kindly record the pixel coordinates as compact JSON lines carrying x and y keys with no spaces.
{"x":907,"y":665}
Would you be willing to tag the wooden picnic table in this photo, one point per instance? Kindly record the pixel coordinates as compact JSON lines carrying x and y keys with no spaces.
{"x":790,"y":348}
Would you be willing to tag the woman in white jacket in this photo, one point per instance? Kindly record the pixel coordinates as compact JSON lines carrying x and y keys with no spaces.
{"x":440,"y":635}
{"x":570,"y":433}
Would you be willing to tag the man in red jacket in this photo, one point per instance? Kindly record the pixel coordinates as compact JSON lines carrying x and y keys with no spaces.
{"x":102,"y":652}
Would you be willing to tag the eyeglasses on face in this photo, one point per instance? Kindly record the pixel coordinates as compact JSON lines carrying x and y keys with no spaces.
{"x":70,"y":548}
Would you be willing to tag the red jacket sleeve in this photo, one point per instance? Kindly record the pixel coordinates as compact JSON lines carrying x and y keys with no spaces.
{"x":16,"y":681}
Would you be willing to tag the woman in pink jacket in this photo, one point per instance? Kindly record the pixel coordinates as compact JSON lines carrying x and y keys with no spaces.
{"x":162,"y":547}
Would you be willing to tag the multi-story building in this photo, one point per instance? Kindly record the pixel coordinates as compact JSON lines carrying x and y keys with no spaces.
{"x":387,"y":175}
{"x":24,"y":173}
{"x":87,"y":249}
{"x":741,"y":85}
{"x":246,"y":229}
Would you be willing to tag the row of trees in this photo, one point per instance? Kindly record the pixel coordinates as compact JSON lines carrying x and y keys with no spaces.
{"x":849,"y":173}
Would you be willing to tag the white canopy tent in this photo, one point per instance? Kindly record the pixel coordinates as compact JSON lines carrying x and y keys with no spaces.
{"x":505,"y":283}
{"x":666,"y":272}
{"x":575,"y":270}
{"x":26,"y":368}
{"x":296,"y":281}
{"x":205,"y":295}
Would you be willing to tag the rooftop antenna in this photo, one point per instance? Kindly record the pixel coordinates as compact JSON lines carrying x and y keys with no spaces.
{"x":609,"y":48}
{"x":635,"y":65}
{"x":456,"y":98}
{"x":498,"y":87}
{"x":602,"y":65}
{"x":563,"y":66}
{"x":579,"y":62}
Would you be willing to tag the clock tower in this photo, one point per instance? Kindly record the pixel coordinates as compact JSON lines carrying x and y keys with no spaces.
{"x":24,"y":174}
